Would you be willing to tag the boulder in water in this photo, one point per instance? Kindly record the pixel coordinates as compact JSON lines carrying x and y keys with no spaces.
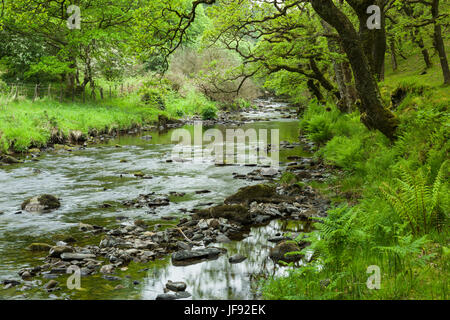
{"x":284,"y":251}
{"x":40,"y":204}
{"x":234,"y":213}
{"x":252,"y":193}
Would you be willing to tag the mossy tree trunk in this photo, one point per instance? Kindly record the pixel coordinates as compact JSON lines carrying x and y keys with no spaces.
{"x":373,"y":114}
{"x":439,"y":42}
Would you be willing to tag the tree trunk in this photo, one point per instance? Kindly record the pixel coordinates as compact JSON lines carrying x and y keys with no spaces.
{"x":373,"y":41}
{"x":419,"y":41}
{"x":315,"y":91}
{"x":373,"y":114}
{"x":393,"y":55}
{"x":319,"y":76}
{"x":343,"y":73}
{"x":439,"y":43}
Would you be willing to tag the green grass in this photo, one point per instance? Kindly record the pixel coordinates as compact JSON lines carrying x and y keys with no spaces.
{"x":25,"y":124}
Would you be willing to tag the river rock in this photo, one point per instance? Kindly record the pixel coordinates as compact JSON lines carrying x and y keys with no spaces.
{"x":111,"y":278}
{"x":9,"y":160}
{"x":176,"y":286}
{"x":107,"y":269}
{"x":198,"y":254}
{"x":250,"y":194}
{"x":237,"y":258}
{"x":166,"y":296}
{"x":77,"y":256}
{"x":40,"y":204}
{"x":279,"y":252}
{"x":269,"y":172}
{"x":10,"y":283}
{"x":235,"y":213}
{"x":57,"y":251}
{"x":221,"y":238}
{"x":51,"y":284}
{"x":278,"y":239}
{"x":77,"y":136}
{"x":170,"y":296}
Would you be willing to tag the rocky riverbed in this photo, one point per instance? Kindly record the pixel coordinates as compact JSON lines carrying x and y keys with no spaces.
{"x":184,"y":228}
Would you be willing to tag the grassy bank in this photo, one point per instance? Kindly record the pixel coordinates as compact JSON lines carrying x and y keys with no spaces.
{"x":25,"y":124}
{"x":391,"y":200}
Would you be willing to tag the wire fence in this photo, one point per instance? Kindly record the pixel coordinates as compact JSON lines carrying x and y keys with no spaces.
{"x":65,"y":94}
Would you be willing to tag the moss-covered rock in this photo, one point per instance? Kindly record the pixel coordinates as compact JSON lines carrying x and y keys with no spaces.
{"x":39,"y":247}
{"x":9,"y":160}
{"x":234,"y":213}
{"x":282,"y":250}
{"x":43,"y":203}
{"x":249,"y":194}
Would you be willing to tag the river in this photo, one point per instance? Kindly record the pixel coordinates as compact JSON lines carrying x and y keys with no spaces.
{"x":86,"y":179}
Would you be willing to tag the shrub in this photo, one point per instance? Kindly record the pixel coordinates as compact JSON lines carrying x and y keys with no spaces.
{"x":209,"y":113}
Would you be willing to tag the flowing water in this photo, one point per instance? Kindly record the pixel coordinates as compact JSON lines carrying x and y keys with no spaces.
{"x":88,"y":178}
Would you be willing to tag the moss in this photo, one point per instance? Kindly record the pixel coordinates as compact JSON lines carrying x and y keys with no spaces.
{"x":10,"y":160}
{"x":282,"y":251}
{"x":49,"y":201}
{"x":235,"y":213}
{"x":39,"y":247}
{"x":252,"y":193}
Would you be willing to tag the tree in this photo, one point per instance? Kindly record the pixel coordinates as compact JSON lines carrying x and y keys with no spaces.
{"x":104,"y":25}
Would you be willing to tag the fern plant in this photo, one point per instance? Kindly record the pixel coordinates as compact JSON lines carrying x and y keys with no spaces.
{"x":414,"y":200}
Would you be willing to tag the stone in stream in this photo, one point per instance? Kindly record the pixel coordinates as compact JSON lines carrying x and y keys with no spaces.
{"x":51,"y":284}
{"x":184,"y":246}
{"x":111,"y":278}
{"x":10,"y":283}
{"x":269,"y":172}
{"x":77,"y":256}
{"x":278,"y":239}
{"x":202,"y":191}
{"x":282,"y":251}
{"x":9,"y":160}
{"x":107,"y":269}
{"x":235,"y":213}
{"x":57,"y":251}
{"x":41,"y":204}
{"x":187,"y":256}
{"x":221,"y":238}
{"x":252,"y":193}
{"x":170,"y":296}
{"x":176,"y":286}
{"x":237,"y":258}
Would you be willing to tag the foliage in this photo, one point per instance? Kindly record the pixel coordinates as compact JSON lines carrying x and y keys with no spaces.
{"x":414,"y":201}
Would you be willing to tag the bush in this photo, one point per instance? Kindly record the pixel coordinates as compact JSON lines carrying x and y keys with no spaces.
{"x":4,"y":89}
{"x":153,"y":97}
{"x":209,"y":113}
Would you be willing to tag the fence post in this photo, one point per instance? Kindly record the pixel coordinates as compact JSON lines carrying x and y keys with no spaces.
{"x":101,"y":93}
{"x":49,"y":90}
{"x":121,"y":89}
{"x":110,"y":93}
{"x":84,"y":94}
{"x":16,"y":96}
{"x":73,"y":93}
{"x":35,"y":92}
{"x":61,"y":94}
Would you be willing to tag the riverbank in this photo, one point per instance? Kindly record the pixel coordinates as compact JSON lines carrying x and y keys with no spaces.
{"x":26,"y":125}
{"x":390,"y":202}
